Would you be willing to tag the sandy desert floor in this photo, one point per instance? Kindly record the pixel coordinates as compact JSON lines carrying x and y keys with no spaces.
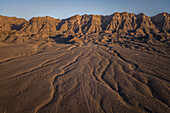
{"x":63,"y":78}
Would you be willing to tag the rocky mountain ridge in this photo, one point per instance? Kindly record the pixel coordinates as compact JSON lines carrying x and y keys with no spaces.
{"x":85,"y":64}
{"x":88,"y":28}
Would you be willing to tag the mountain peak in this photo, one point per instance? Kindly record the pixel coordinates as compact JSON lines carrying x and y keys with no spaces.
{"x":120,"y":24}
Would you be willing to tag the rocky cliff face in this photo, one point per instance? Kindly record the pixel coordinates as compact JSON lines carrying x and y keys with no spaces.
{"x":87,"y":27}
{"x":10,"y":25}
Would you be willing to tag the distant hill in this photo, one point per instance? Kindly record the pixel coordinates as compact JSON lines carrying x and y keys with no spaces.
{"x":87,"y":27}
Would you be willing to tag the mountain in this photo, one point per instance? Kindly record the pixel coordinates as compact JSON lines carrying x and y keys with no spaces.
{"x":162,"y":22}
{"x":85,"y":64}
{"x":122,"y":25}
{"x":9,"y":25}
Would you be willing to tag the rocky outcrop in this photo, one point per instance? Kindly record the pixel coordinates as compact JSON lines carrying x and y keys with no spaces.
{"x":9,"y":25}
{"x":162,"y":22}
{"x":121,"y":25}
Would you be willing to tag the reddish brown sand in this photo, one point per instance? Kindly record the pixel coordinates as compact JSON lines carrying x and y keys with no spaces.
{"x":94,"y":73}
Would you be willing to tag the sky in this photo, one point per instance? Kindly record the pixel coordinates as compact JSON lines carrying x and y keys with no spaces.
{"x":65,"y":8}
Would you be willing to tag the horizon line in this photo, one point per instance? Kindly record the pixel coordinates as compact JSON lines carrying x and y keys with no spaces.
{"x":79,"y":15}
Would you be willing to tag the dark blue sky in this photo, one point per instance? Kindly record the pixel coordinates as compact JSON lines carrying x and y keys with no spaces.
{"x":66,"y":8}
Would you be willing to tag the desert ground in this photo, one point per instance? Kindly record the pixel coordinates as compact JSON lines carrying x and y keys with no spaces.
{"x":80,"y":79}
{"x":85,"y":74}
